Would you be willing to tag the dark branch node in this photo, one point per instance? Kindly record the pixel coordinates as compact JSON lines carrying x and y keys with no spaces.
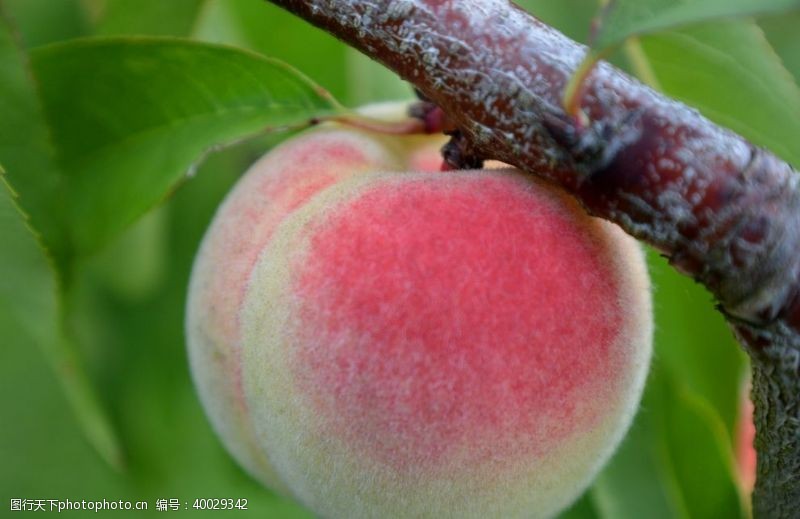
{"x":459,"y":153}
{"x":421,"y":95}
{"x":594,"y":147}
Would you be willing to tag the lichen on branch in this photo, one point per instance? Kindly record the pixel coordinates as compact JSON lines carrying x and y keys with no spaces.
{"x":723,"y":210}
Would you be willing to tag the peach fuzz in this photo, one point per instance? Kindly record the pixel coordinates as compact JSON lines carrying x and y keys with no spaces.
{"x":275,"y":186}
{"x":465,"y":344}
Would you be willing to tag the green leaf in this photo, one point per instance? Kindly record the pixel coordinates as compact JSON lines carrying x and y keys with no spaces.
{"x":730,"y":72}
{"x":40,"y":22}
{"x":572,"y":17}
{"x":695,"y":343}
{"x":265,"y":28}
{"x":27,"y":286}
{"x":637,"y":483}
{"x":371,"y":82}
{"x":781,"y":32}
{"x":694,"y":439}
{"x":148,"y":17}
{"x":26,"y":147}
{"x":31,"y":314}
{"x":131,"y":117}
{"x":133,"y":264}
{"x":676,"y":460}
{"x":621,"y":19}
{"x":96,"y":132}
{"x":30,"y":289}
{"x":583,"y":508}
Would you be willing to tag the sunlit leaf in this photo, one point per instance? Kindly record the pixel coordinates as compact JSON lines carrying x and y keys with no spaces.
{"x":31,"y":315}
{"x":621,"y":19}
{"x":148,"y":17}
{"x":572,"y":17}
{"x":26,"y":148}
{"x":131,"y":117}
{"x":265,"y":28}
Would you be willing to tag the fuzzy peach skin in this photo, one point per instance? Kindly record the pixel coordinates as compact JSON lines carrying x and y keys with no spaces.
{"x":465,"y":344}
{"x":274,"y":187}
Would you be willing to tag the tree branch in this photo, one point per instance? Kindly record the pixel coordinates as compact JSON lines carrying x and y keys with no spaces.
{"x":724,"y":211}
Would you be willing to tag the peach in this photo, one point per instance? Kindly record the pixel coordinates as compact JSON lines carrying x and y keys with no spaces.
{"x":274,"y":186}
{"x":387,"y":344}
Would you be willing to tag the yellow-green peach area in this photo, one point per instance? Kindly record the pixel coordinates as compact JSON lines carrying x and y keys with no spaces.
{"x":274,"y":187}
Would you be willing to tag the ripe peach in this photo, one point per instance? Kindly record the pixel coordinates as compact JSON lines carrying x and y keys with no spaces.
{"x":275,"y":186}
{"x":386,"y":344}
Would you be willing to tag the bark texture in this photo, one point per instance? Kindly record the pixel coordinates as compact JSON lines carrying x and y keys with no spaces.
{"x":724,"y":211}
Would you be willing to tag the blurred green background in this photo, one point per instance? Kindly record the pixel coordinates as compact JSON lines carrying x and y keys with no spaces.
{"x":127,"y":301}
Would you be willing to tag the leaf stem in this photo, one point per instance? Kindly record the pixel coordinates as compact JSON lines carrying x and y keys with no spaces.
{"x":639,"y":62}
